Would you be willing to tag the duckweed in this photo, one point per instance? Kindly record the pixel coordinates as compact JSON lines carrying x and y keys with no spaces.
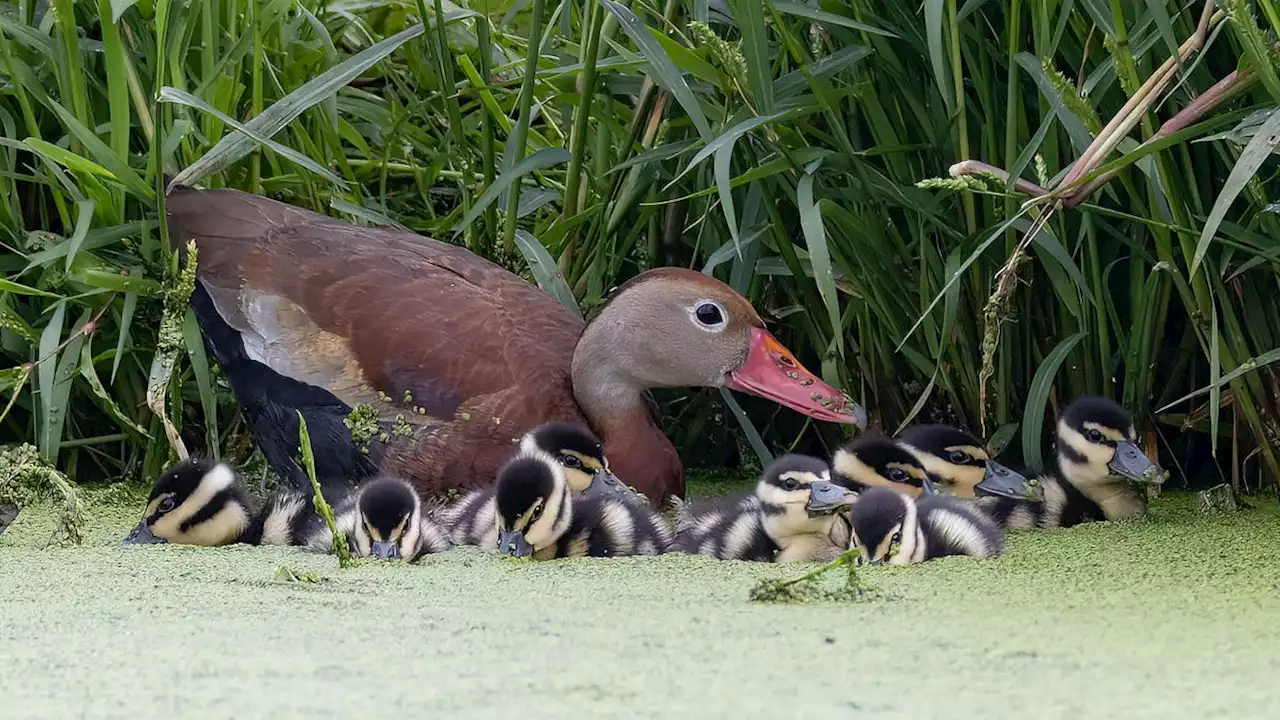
{"x":1172,"y":616}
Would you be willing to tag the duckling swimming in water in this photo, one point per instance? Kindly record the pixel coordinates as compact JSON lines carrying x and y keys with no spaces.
{"x":384,"y":519}
{"x":888,"y":526}
{"x":537,"y":515}
{"x":1098,"y":463}
{"x":788,"y":518}
{"x":203,"y":502}
{"x":472,"y":521}
{"x":959,"y":465}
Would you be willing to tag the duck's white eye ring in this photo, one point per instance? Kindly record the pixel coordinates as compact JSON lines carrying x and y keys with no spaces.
{"x":709,"y":315}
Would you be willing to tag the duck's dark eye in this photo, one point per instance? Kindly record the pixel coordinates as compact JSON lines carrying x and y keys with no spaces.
{"x":709,"y":314}
{"x":1093,"y":436}
{"x":166,"y":506}
{"x":790,"y":484}
{"x":959,"y":458}
{"x":571,"y":461}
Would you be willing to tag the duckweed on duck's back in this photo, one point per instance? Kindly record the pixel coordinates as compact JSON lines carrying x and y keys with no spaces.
{"x":1167,"y":617}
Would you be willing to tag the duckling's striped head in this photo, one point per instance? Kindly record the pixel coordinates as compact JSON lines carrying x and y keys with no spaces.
{"x":877,"y":461}
{"x":197,"y":502}
{"x":1097,"y":443}
{"x":571,"y":444}
{"x":532,"y":503}
{"x":884,"y":526}
{"x":389,"y":522}
{"x":796,"y":497}
{"x":961,"y":466}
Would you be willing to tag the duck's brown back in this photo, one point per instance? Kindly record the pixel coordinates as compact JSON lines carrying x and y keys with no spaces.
{"x":469,"y":354}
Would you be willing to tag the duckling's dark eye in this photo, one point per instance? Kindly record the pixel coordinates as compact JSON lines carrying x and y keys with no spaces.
{"x":166,"y":506}
{"x":571,"y":461}
{"x":1093,"y":435}
{"x":959,"y":458}
{"x":537,"y":513}
{"x":897,"y":537}
{"x":898,"y":475}
{"x":709,"y":314}
{"x":790,"y":484}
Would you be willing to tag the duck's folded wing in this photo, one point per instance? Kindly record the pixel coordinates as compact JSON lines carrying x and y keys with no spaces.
{"x":369,"y":312}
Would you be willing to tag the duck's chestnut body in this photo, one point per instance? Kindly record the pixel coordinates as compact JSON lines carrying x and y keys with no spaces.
{"x":460,"y":357}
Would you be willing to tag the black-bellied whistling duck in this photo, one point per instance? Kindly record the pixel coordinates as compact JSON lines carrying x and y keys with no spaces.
{"x":309,"y":313}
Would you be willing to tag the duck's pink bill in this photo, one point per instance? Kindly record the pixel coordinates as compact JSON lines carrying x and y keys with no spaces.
{"x":772,"y":372}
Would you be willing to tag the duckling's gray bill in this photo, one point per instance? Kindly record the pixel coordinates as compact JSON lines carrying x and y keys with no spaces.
{"x":1130,"y":462}
{"x":141,"y":535}
{"x":512,"y":542}
{"x":1001,"y":481}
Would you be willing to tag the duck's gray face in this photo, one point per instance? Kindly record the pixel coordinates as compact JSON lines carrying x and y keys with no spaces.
{"x":195,"y":503}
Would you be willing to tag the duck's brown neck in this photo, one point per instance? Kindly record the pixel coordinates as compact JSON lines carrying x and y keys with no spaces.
{"x":639,"y":452}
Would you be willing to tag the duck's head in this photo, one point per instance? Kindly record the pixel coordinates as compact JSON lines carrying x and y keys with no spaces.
{"x":877,"y":461}
{"x":796,"y":497}
{"x":960,"y":465}
{"x":580,"y":453}
{"x":199,"y":501}
{"x":673,"y":327}
{"x":884,"y":527}
{"x":532,"y":504}
{"x":389,"y":520}
{"x":1097,"y":443}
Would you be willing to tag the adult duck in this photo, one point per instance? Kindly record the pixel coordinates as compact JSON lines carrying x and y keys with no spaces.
{"x":307,"y":313}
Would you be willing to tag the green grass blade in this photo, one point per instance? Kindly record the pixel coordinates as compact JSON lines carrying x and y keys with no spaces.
{"x":235,"y":146}
{"x":665,"y":72}
{"x":540,"y":160}
{"x":748,"y":427}
{"x":545,"y":270}
{"x":84,"y":216}
{"x":815,"y":239}
{"x":1255,"y":153}
{"x":1038,"y":400}
{"x":749,"y":15}
{"x":826,"y":18}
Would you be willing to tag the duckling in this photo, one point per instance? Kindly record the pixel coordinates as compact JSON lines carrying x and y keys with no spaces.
{"x":384,"y":519}
{"x":958,"y":464}
{"x":538,"y":516}
{"x":888,"y":526}
{"x":203,"y":502}
{"x":471,"y":520}
{"x":788,"y":518}
{"x":582,"y":455}
{"x":877,"y":461}
{"x":1098,"y":466}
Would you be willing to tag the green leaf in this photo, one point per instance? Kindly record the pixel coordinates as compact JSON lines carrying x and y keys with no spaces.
{"x":815,"y":239}
{"x":1250,"y":365}
{"x":20,"y":289}
{"x":104,"y":155}
{"x":806,"y":11}
{"x":204,"y":379}
{"x":231,"y":148}
{"x":933,"y":12}
{"x":749,"y":16}
{"x":665,"y":72}
{"x":748,"y":427}
{"x":90,"y":376}
{"x":540,"y":160}
{"x":1246,"y":166}
{"x":67,"y":159}
{"x":727,"y":138}
{"x":545,"y":270}
{"x":84,"y":216}
{"x":119,"y":6}
{"x":180,"y":97}
{"x":724,"y":187}
{"x":1038,"y":399}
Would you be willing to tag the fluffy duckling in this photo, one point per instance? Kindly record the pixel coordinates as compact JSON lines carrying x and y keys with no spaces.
{"x":582,"y":455}
{"x":537,"y":515}
{"x":1099,"y":465}
{"x":959,"y":465}
{"x":385,"y":520}
{"x":877,"y":461}
{"x":201,"y":501}
{"x":888,"y":526}
{"x":471,"y":520}
{"x":788,"y":518}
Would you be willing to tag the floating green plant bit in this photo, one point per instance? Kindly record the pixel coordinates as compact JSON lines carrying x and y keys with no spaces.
{"x":339,"y":546}
{"x":362,"y":423}
{"x":808,"y":588}
{"x":25,"y":479}
{"x":284,"y":573}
